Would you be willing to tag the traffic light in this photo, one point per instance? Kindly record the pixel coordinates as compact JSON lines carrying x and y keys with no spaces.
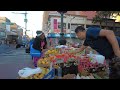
{"x":62,"y":11}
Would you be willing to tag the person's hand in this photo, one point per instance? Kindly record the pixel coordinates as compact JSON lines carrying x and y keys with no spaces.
{"x":49,"y":47}
{"x":44,"y":51}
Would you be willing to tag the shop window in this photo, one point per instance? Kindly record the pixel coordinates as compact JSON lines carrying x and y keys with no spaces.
{"x":59,"y":25}
{"x":68,"y":25}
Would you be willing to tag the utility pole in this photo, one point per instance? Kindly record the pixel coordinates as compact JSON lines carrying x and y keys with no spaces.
{"x":32,"y":33}
{"x":25,"y":20}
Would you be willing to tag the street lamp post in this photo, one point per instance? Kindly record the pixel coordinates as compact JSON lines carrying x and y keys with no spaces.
{"x":62,"y":33}
{"x":71,"y":28}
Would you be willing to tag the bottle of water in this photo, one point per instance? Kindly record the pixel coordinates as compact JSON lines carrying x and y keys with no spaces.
{"x":59,"y":73}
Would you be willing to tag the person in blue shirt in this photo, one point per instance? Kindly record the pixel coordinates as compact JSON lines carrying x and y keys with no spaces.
{"x":103,"y":41}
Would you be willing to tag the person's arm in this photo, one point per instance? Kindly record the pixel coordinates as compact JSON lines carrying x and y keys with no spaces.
{"x":112,"y":39}
{"x":45,"y":48}
{"x":80,"y":49}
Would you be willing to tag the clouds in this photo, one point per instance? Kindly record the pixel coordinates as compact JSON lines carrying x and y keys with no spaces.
{"x":34,"y":19}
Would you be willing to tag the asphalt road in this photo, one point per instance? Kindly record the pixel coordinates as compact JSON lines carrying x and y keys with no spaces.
{"x":12,"y":61}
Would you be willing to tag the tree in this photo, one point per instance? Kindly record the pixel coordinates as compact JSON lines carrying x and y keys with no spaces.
{"x":103,"y":16}
{"x":97,"y":19}
{"x":115,"y":13}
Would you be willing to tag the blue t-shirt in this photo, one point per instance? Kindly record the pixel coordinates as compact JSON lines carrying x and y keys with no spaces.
{"x":98,"y":43}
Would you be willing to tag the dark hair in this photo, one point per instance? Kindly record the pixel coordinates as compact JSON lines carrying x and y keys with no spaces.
{"x":62,"y":41}
{"x":79,"y":29}
{"x":38,"y":32}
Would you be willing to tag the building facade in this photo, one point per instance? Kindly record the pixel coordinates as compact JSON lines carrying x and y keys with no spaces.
{"x":9,"y":32}
{"x":51,"y":21}
{"x":4,"y":24}
{"x":52,"y":24}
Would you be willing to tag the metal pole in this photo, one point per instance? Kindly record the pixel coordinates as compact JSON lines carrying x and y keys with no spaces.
{"x":32,"y":33}
{"x":25,"y":22}
{"x":62,"y":33}
{"x":70,"y":26}
{"x":62,"y":39}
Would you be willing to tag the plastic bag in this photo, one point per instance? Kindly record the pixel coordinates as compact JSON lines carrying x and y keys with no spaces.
{"x":78,"y":77}
{"x":61,"y":46}
{"x":25,"y":72}
{"x":97,"y":58}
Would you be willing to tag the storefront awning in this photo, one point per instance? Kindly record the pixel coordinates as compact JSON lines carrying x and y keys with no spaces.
{"x":11,"y":33}
{"x":54,"y":35}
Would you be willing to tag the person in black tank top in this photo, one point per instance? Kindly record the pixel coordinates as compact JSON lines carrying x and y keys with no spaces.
{"x":103,"y":41}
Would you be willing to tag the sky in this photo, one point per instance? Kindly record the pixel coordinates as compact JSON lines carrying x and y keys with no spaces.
{"x":34,"y":19}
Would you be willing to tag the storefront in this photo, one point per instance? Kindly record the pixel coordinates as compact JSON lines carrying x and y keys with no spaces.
{"x":11,"y":37}
{"x":54,"y":35}
{"x":2,"y":36}
{"x":54,"y":38}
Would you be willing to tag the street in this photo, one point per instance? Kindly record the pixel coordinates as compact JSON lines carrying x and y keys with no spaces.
{"x":12,"y":61}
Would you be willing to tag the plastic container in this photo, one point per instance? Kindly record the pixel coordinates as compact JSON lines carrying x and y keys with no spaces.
{"x":34,"y":52}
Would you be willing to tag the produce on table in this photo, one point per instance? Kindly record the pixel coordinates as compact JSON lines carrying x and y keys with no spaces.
{"x":86,"y":67}
{"x":91,"y":76}
{"x":72,"y":63}
{"x":54,"y":52}
{"x":30,"y":77}
{"x":86,"y":64}
{"x":103,"y":74}
{"x":96,"y":76}
{"x":69,"y":76}
{"x":84,"y":73}
{"x":56,"y":66}
{"x":43,"y":62}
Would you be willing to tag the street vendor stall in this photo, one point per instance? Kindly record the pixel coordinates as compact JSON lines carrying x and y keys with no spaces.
{"x":59,"y":63}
